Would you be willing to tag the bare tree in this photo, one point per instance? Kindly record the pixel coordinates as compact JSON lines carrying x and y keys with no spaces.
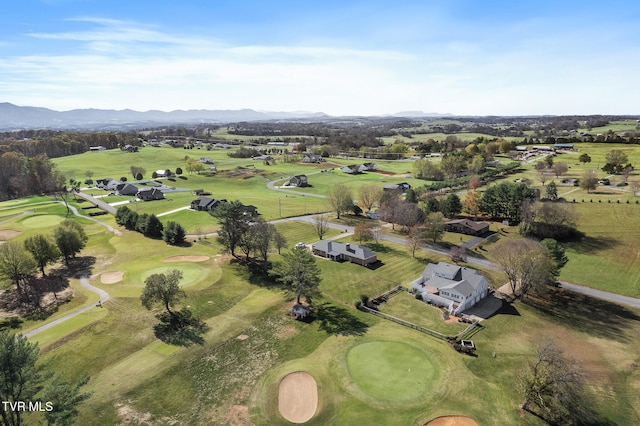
{"x":458,"y":254}
{"x":414,"y":240}
{"x":320,"y":223}
{"x":553,"y":387}
{"x":589,"y":180}
{"x":340,"y":198}
{"x":363,"y":232}
{"x":626,"y":172}
{"x":542,"y":169}
{"x":390,"y":211}
{"x":279,"y":240}
{"x":369,"y":196}
{"x":559,"y":169}
{"x":526,"y":263}
{"x":635,"y":187}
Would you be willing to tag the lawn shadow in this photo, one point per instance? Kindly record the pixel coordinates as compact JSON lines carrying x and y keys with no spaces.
{"x":181,"y":329}
{"x":337,"y":320}
{"x":588,"y":314}
{"x":588,"y":245}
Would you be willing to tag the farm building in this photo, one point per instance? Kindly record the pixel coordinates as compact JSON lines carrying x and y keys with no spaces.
{"x":456,"y":287}
{"x":466,"y":226}
{"x":312,"y":158}
{"x":354,"y":253}
{"x":352,"y":169}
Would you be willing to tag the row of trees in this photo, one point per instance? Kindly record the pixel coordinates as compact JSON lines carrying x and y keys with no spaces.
{"x":19,"y":262}
{"x":21,"y":176}
{"x":238,"y":231}
{"x":150,"y":226}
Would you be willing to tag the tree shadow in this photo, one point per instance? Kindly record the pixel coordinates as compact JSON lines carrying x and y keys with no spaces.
{"x":180,"y":329}
{"x":584,"y":244}
{"x":337,"y":320}
{"x":78,"y":267}
{"x":591,"y":315}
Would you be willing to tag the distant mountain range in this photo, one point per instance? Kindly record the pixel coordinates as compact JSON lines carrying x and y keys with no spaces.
{"x":13,"y":117}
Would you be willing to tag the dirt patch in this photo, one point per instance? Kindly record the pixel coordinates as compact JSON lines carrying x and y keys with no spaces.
{"x":298,"y":397}
{"x":384,"y":172}
{"x":111,"y":277}
{"x":242,"y":337}
{"x":452,"y":421}
{"x":130,"y":416}
{"x":186,"y":259}
{"x":7,"y":234}
{"x":239,"y":416}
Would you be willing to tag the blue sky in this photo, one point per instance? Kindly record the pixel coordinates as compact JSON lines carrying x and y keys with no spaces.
{"x":465,"y":57}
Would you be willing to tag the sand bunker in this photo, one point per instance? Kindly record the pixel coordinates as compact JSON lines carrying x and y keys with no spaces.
{"x":452,"y":421}
{"x":111,"y":277}
{"x":298,"y":397}
{"x":7,"y":234}
{"x":186,"y":259}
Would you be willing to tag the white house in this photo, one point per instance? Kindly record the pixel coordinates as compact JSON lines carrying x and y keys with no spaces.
{"x":456,"y":287}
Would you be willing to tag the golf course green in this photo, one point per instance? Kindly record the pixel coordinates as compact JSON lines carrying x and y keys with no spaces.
{"x":391,"y":371}
{"x":41,"y":221}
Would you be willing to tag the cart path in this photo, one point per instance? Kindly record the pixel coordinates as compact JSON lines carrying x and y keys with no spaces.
{"x":84,"y":282}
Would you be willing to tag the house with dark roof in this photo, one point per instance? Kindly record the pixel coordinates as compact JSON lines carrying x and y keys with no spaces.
{"x":127,"y":189}
{"x":251,"y":211}
{"x":353,"y":253}
{"x":150,"y":194}
{"x":206,"y":204}
{"x":398,"y":187}
{"x":368,"y":167}
{"x":456,"y":287}
{"x":466,"y":226}
{"x":299,"y":180}
{"x":129,"y":148}
{"x":352,"y":169}
{"x":312,"y":158}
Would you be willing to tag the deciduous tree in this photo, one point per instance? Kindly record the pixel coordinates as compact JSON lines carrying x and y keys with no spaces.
{"x":584,"y":158}
{"x":589,"y":181}
{"x":434,"y":226}
{"x":70,"y":239}
{"x":369,"y":196}
{"x":164,"y":289}
{"x":340,"y":198}
{"x":553,"y":387}
{"x":526,"y":263}
{"x":43,"y":250}
{"x":16,"y":264}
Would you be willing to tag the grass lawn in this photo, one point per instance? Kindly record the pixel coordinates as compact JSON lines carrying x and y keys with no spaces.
{"x":405,"y":306}
{"x":346,"y":281}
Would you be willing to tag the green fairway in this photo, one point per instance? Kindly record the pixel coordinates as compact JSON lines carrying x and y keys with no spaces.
{"x":192,"y":274}
{"x":41,"y":221}
{"x":391,"y":371}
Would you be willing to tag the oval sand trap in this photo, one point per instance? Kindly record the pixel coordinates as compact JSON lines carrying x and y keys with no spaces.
{"x":298,"y":397}
{"x":186,"y":259}
{"x":7,"y":234}
{"x":452,"y":421}
{"x":111,"y":277}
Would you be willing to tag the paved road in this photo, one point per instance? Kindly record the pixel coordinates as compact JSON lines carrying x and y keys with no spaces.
{"x":600,"y":294}
{"x":104,"y":296}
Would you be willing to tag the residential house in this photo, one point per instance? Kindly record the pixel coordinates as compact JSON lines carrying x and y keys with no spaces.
{"x":251,"y":211}
{"x":112,"y":185}
{"x":150,"y":194}
{"x":205,"y":160}
{"x":206,"y":204}
{"x":102,"y":183}
{"x":368,"y":167}
{"x":299,"y":180}
{"x":352,"y":169}
{"x":353,"y":253}
{"x":97,"y":148}
{"x":163,"y":173}
{"x":456,"y":287}
{"x":312,"y":158}
{"x":466,"y":226}
{"x":398,"y":187}
{"x":127,"y":189}
{"x":129,"y":148}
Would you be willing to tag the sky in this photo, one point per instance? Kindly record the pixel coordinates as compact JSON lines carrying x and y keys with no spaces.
{"x":464,"y":57}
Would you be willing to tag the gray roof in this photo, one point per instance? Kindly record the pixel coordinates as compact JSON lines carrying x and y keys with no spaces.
{"x":334,"y":248}
{"x":452,"y":277}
